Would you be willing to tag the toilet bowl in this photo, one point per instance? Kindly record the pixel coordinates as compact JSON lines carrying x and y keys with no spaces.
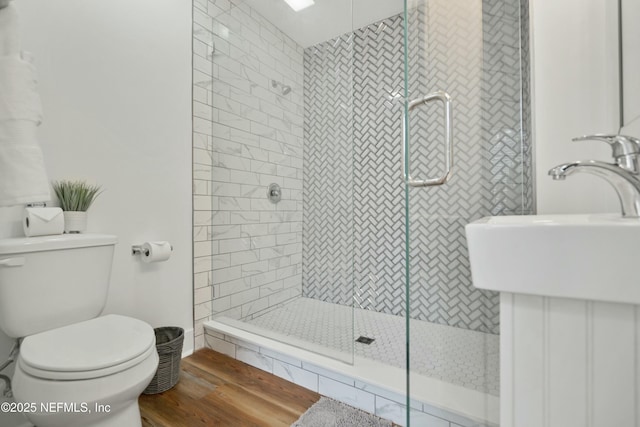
{"x":86,"y":374}
{"x":75,"y":367}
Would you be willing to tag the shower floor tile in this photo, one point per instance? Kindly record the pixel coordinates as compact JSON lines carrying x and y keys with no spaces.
{"x":458,"y":356}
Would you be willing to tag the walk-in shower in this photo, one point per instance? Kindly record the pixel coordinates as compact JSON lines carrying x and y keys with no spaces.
{"x":356,"y":283}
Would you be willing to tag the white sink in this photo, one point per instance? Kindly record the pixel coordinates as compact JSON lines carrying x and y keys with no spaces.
{"x":593,"y":257}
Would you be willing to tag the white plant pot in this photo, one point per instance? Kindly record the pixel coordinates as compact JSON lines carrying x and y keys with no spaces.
{"x":75,"y":222}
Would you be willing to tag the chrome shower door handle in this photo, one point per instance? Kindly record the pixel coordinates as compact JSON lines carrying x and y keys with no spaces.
{"x":445,"y":98}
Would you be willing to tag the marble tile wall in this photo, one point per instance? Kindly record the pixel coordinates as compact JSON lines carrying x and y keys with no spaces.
{"x":247,"y":135}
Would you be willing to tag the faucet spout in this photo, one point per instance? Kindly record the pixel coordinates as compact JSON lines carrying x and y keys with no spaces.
{"x":625,"y":182}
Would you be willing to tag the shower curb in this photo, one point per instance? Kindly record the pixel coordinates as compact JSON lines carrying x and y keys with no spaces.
{"x":308,"y":373}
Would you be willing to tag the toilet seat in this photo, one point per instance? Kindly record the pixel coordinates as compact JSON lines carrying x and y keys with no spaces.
{"x":95,"y":348}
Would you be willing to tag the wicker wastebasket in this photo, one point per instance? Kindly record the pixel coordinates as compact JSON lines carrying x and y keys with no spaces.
{"x":169,"y":341}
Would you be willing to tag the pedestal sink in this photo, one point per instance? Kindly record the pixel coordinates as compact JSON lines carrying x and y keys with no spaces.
{"x":569,"y":316}
{"x":590,"y":257}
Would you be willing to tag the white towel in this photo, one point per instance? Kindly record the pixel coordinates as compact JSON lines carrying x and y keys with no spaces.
{"x":9,"y":34}
{"x":23,"y":178}
{"x":19,"y":98}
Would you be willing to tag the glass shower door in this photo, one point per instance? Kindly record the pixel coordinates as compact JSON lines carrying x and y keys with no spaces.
{"x":465,"y":156}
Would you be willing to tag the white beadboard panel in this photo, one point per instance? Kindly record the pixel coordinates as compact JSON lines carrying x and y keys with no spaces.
{"x":567,"y":358}
{"x":528,"y":334}
{"x":507,"y":359}
{"x":614,"y":371}
{"x":568,"y":362}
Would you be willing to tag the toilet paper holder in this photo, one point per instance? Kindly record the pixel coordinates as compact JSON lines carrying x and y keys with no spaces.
{"x":137,"y":249}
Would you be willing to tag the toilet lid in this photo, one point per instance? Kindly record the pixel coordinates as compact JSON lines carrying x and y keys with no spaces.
{"x":89,"y":349}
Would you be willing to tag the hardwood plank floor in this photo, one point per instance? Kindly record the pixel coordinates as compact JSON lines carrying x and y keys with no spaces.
{"x":216,"y":390}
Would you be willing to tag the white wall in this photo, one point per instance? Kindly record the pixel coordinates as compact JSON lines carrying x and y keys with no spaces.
{"x":631,"y":61}
{"x":115,"y":81}
{"x":575,"y":92}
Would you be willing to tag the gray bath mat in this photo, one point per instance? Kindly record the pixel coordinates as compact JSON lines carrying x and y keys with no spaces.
{"x":331,"y":413}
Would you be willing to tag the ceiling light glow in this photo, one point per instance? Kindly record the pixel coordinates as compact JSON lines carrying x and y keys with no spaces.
{"x":298,"y":5}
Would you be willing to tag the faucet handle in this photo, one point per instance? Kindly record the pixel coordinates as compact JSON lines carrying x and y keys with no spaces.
{"x":621,"y":145}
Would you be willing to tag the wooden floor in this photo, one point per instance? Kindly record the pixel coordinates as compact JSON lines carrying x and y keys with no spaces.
{"x":216,"y":390}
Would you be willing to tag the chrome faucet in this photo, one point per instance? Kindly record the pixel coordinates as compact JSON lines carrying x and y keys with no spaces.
{"x":623,"y":175}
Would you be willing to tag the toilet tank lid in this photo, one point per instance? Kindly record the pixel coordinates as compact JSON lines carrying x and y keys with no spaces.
{"x":20,"y":245}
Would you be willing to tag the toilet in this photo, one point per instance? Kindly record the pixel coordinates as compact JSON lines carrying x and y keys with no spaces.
{"x":75,"y":367}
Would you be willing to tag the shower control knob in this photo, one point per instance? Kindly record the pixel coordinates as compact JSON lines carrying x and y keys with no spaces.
{"x":274,"y":193}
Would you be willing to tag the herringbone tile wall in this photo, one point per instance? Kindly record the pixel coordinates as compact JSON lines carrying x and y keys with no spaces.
{"x":353,"y":228}
{"x":328,"y":170}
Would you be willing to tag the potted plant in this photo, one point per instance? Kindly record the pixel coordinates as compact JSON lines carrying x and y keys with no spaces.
{"x":75,"y":199}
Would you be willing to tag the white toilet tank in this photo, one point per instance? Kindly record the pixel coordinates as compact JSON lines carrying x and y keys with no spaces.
{"x":52,"y":281}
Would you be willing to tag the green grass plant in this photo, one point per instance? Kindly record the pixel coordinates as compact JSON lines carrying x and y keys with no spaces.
{"x":75,"y":195}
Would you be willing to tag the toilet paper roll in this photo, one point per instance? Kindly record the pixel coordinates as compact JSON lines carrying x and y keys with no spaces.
{"x":156,"y":251}
{"x":42,"y":221}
